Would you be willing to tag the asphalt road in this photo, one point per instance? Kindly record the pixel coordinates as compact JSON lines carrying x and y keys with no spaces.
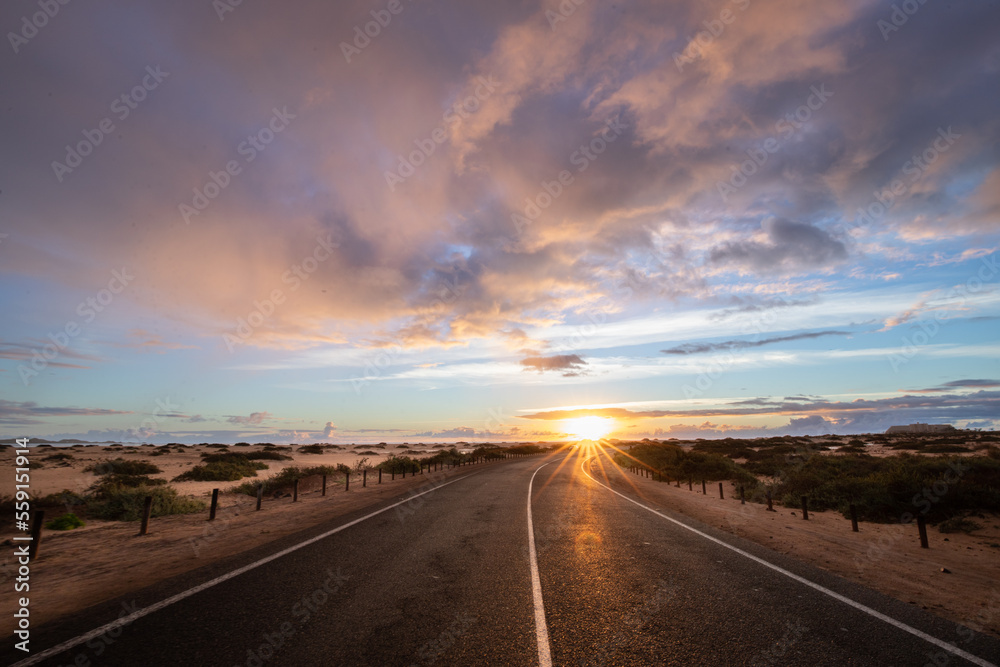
{"x":446,"y":579}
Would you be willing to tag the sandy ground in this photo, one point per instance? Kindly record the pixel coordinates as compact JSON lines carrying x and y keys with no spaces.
{"x":887,"y":558}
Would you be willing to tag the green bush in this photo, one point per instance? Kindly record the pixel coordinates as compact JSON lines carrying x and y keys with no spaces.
{"x":222,"y":468}
{"x":65,"y":522}
{"x":283,"y":480}
{"x":267,"y":455}
{"x":958,"y":524}
{"x":62,"y":499}
{"x":112,"y":483}
{"x":126,"y":504}
{"x":400,"y":464}
{"x":123,"y":467}
{"x":886,"y":489}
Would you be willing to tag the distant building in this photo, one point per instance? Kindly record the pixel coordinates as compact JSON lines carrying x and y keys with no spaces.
{"x":921,"y":428}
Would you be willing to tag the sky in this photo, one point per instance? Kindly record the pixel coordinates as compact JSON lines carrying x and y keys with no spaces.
{"x":441,"y":221}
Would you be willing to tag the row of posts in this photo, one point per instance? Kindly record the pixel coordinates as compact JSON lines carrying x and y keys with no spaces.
{"x":852,"y":510}
{"x":148,"y":501}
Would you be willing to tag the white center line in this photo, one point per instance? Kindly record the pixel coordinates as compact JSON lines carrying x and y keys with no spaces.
{"x":541,"y":629}
{"x":837,"y":596}
{"x":145,"y":611}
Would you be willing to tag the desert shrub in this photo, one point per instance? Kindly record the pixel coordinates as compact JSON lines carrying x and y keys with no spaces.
{"x":675,"y":462}
{"x":399,"y":464}
{"x":222,"y":468}
{"x":113,"y":482}
{"x":61,"y":456}
{"x":445,"y":457}
{"x":958,"y":524}
{"x":65,"y":522}
{"x":267,"y":455}
{"x":123,"y":467}
{"x":126,"y":504}
{"x":283,"y":480}
{"x":62,"y":499}
{"x":311,"y":449}
{"x":945,"y":449}
{"x":886,"y":489}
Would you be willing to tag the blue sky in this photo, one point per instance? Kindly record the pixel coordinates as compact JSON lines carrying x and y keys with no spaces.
{"x":484,"y":223}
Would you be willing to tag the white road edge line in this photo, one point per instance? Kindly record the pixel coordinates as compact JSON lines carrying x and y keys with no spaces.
{"x":837,"y":596}
{"x":541,"y":629}
{"x":145,"y":611}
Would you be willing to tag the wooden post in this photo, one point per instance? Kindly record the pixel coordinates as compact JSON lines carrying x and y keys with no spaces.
{"x":215,"y":505}
{"x":690,"y":488}
{"x":347,"y":481}
{"x":704,"y":490}
{"x":364,"y":478}
{"x":721,"y":497}
{"x":922,"y":529}
{"x":743,"y":498}
{"x":393,"y":475}
{"x":260,"y":494}
{"x":295,"y":492}
{"x":147,"y":509}
{"x":769,"y":508}
{"x":678,"y":482}
{"x":805,"y":508}
{"x":323,"y":493}
{"x":854,"y":517}
{"x":404,"y":472}
{"x":36,"y":533}
{"x":379,"y":475}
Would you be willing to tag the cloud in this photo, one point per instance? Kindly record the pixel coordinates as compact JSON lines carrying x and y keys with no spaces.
{"x":958,"y":384}
{"x":848,"y":415}
{"x":329,"y":430}
{"x":463,"y":432}
{"x":150,"y":342}
{"x":35,"y":347}
{"x":692,"y":348}
{"x":28,"y":413}
{"x":571,"y":364}
{"x":253,"y":419}
{"x":787,"y":246}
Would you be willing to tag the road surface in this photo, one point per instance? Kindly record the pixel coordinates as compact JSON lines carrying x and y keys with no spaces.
{"x":450,"y":577}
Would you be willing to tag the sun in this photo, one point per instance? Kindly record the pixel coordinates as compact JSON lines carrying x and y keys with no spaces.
{"x":589,"y":428}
